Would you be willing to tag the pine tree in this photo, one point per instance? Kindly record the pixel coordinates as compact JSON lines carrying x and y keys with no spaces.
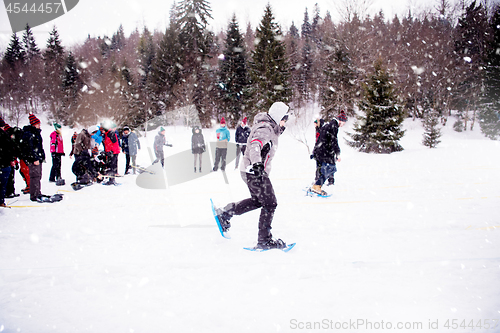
{"x":432,"y":131}
{"x":489,"y":114}
{"x":167,"y":69}
{"x":233,"y":75}
{"x":29,"y":44}
{"x":54,"y":61}
{"x":379,"y":130}
{"x":70,"y":85}
{"x":269,"y":66}
{"x":305,"y":83}
{"x":338,"y":92}
{"x":14,"y":55}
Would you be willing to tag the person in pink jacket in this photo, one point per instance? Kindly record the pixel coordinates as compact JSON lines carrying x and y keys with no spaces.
{"x":57,"y":151}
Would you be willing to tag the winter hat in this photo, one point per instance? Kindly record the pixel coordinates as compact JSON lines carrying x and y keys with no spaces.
{"x":93,"y":129}
{"x":5,"y":127}
{"x":2,"y":122}
{"x":57,"y":126}
{"x":277,"y":111}
{"x":342,"y":116}
{"x":126,"y":128}
{"x":223,"y":121}
{"x":161,"y":129}
{"x":33,"y":120}
{"x":244,"y":121}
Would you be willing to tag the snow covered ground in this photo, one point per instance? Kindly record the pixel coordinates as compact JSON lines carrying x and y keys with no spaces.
{"x":408,"y":242}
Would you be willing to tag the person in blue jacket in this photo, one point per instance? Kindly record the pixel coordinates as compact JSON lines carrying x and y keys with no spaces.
{"x":223,"y":137}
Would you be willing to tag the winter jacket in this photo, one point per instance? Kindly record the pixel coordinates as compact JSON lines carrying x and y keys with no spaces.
{"x":16,"y":135}
{"x":133,"y":143}
{"x":32,"y":144}
{"x":56,"y":143}
{"x":124,"y":145}
{"x":7,"y":150}
{"x":326,"y":149}
{"x":242,"y":134}
{"x":111,"y":143}
{"x":82,"y":142}
{"x":197,"y":142}
{"x":97,"y":137}
{"x":159,"y":142}
{"x":223,"y":137}
{"x":262,"y":143}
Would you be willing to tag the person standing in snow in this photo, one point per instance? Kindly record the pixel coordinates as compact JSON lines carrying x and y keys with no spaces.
{"x":132,"y":144}
{"x":34,"y":155}
{"x":223,"y":137}
{"x":242,"y":133}
{"x":160,"y":141}
{"x":15,"y":133}
{"x":7,"y":159}
{"x":57,"y":151}
{"x":255,"y":169}
{"x":112,"y":149}
{"x":197,"y":146}
{"x":327,"y":151}
{"x":83,"y":167}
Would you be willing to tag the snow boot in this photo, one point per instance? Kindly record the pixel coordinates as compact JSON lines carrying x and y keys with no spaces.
{"x":271,"y":244}
{"x":224,"y":218}
{"x":317,"y":189}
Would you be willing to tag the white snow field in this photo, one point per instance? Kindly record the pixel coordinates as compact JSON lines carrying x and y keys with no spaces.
{"x":408,"y":242}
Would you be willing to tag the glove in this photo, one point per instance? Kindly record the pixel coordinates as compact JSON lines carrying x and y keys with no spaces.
{"x":258,"y":169}
{"x":312,"y":156}
{"x":168,"y":144}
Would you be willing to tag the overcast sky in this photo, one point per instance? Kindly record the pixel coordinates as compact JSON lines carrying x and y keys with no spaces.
{"x":98,"y":17}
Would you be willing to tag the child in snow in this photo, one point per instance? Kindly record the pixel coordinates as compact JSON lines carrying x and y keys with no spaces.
{"x":112,"y":149}
{"x":242,"y":133}
{"x":6,"y":160}
{"x":197,"y":146}
{"x":255,"y":169}
{"x":160,"y":141}
{"x":327,"y":151}
{"x":223,"y":137}
{"x":57,"y":151}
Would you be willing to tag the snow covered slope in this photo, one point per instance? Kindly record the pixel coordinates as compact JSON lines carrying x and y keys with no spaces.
{"x":407,"y":242}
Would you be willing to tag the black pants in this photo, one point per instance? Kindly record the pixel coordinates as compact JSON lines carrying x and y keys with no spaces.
{"x":220,"y":157}
{"x":261,"y":196}
{"x":10,"y":183}
{"x":55,"y":172}
{"x":83,"y":168}
{"x":127,"y":163}
{"x":240,"y":150}
{"x":35,"y":180}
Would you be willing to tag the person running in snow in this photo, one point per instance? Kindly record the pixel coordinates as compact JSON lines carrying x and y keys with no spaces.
{"x":34,"y":155}
{"x":255,"y":169}
{"x":242,"y":133}
{"x":327,"y":151}
{"x":197,"y":146}
{"x":223,"y":137}
{"x":57,"y":151}
{"x":160,"y":141}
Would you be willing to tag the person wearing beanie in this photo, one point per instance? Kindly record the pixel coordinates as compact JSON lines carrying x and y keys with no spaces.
{"x":327,"y":152}
{"x":158,"y":144}
{"x":34,"y":155}
{"x":112,"y":149}
{"x":255,"y":169}
{"x":57,"y":152}
{"x":197,"y":146}
{"x":242,"y":133}
{"x":223,"y":137}
{"x":7,"y":158}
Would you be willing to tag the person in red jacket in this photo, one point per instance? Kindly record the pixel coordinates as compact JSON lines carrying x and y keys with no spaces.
{"x":57,"y":151}
{"x":112,"y":149}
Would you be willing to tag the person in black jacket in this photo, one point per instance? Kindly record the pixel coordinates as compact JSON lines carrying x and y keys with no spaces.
{"x":327,"y":151}
{"x":34,"y":155}
{"x":197,"y":146}
{"x":6,"y":160}
{"x":242,"y":134}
